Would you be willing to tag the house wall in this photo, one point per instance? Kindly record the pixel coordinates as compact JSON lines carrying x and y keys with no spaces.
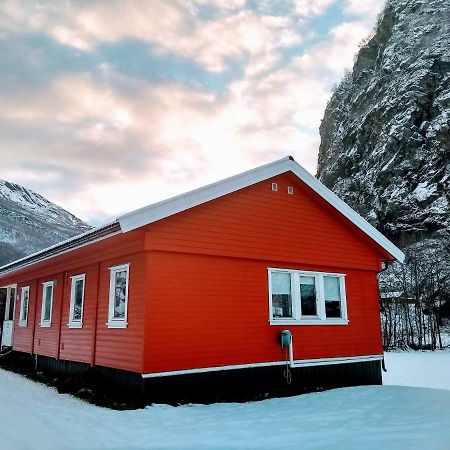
{"x":208,"y":277}
{"x":94,"y":343}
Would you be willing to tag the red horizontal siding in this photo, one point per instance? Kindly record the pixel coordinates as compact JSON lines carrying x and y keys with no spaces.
{"x":46,"y":338}
{"x":118,"y":348}
{"x":123,"y":348}
{"x":216,"y":313}
{"x":23,"y":335}
{"x":258,"y":223}
{"x":209,"y":284}
{"x":76,"y":344}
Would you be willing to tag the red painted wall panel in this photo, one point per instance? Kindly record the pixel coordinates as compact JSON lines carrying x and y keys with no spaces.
{"x":118,"y":348}
{"x":23,"y":335}
{"x":208,"y":277}
{"x":217,"y":314}
{"x":123,"y":348}
{"x":76,"y":343}
{"x":258,"y":223}
{"x":46,"y":338}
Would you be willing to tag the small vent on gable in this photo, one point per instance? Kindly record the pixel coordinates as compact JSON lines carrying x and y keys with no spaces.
{"x":274,"y":187}
{"x":290,"y":190}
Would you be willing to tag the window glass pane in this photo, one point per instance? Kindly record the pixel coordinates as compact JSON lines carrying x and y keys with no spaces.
{"x":281,"y":294}
{"x":332,"y":296}
{"x":12,"y":302}
{"x":47,"y":303}
{"x":78,"y":300}
{"x":24,"y":305}
{"x":308,"y":296}
{"x":120,"y":289}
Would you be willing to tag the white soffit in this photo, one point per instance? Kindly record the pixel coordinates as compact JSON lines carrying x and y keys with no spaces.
{"x":166,"y":208}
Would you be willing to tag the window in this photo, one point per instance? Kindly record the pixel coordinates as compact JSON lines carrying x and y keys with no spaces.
{"x":332,"y":294}
{"x":118,"y":296}
{"x":281,"y":294}
{"x":47,"y":304}
{"x":12,"y":303}
{"x":76,"y":301}
{"x":24,"y":301}
{"x":306,"y":298}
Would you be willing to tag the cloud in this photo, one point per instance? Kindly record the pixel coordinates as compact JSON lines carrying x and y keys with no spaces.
{"x":312,"y":7}
{"x":170,"y":27}
{"x":366,"y":10}
{"x":103,"y":141}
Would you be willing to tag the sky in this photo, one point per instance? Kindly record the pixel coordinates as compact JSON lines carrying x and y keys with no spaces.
{"x":107,"y":106}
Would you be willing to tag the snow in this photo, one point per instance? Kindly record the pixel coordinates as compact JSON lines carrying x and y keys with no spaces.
{"x":418,"y":369}
{"x":423,"y":191}
{"x":33,"y":416}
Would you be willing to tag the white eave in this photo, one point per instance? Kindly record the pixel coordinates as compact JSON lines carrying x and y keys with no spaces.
{"x":166,"y":208}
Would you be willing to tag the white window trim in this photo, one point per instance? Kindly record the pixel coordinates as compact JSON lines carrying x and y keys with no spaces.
{"x":115,"y":322}
{"x":24,"y":322}
{"x":297,"y":318}
{"x":47,"y":323}
{"x":76,"y":323}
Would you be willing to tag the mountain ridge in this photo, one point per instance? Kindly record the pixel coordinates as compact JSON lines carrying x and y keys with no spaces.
{"x":29,"y":222}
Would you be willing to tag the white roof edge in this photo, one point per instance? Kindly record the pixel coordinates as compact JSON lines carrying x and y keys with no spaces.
{"x":174,"y":205}
{"x":166,"y":208}
{"x":57,"y":245}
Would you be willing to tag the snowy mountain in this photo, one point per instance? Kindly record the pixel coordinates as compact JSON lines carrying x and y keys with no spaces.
{"x":385,"y":146}
{"x":29,"y":222}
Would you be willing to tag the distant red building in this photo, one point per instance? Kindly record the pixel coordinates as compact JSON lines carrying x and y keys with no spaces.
{"x":199,"y":288}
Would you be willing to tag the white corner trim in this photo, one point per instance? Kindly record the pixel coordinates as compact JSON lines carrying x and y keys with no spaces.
{"x":166,"y":208}
{"x":297,"y":364}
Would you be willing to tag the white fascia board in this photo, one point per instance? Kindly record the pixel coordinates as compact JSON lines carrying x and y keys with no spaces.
{"x":174,"y":205}
{"x":166,"y":208}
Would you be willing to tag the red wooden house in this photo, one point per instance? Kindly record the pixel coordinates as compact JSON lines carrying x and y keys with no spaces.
{"x":188,"y":297}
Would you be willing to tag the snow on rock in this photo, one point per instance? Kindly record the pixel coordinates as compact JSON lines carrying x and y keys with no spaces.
{"x":385,"y":135}
{"x":33,"y":416}
{"x":29,"y":222}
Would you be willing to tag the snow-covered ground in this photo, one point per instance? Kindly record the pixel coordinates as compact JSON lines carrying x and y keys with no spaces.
{"x":33,"y":416}
{"x":418,"y":369}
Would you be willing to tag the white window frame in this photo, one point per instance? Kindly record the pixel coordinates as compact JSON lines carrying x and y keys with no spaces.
{"x":297,"y":318}
{"x":47,"y":323}
{"x":72,"y":322}
{"x":112,"y":321}
{"x":23,"y":322}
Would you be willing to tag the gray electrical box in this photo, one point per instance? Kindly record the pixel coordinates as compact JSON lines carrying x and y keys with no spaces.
{"x":286,"y":338}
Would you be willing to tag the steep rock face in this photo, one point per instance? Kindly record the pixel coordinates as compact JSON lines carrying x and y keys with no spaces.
{"x":29,"y":222}
{"x":385,"y":146}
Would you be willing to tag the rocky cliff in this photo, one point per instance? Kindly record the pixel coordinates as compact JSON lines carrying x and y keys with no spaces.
{"x":385,"y":146}
{"x":29,"y":222}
